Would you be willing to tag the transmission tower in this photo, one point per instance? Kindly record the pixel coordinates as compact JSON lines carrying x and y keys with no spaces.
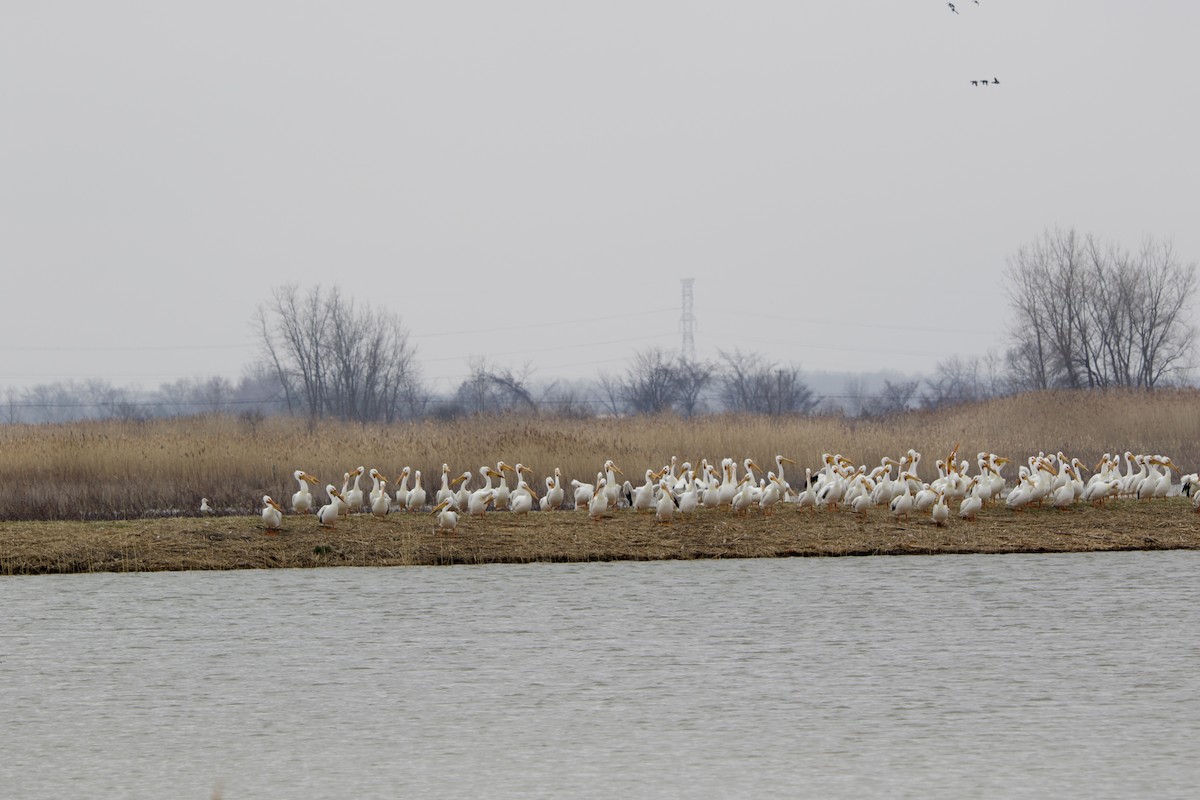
{"x":687,"y":322}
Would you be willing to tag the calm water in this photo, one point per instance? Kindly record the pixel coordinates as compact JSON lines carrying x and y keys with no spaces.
{"x":951,"y":676}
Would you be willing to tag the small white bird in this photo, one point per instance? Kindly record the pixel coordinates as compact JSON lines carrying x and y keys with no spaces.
{"x":664,"y":511}
{"x":272,"y":514}
{"x":941,"y":511}
{"x":447,"y":518}
{"x":382,"y":503}
{"x":327,"y":516}
{"x":205,"y":508}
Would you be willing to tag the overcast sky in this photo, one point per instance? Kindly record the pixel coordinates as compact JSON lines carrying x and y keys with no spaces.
{"x":529,"y":181}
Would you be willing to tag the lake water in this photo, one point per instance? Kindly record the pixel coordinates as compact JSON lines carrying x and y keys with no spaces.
{"x":953,"y":676}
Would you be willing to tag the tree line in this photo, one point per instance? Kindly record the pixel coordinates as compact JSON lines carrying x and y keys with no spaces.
{"x":1086,"y":314}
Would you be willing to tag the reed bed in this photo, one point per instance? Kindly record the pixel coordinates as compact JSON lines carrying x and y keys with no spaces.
{"x":112,"y":471}
{"x":410,"y":539}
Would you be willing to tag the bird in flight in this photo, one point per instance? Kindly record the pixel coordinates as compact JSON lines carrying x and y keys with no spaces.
{"x":952,"y":8}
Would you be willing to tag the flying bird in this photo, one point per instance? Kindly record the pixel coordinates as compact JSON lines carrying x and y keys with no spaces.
{"x":952,"y":8}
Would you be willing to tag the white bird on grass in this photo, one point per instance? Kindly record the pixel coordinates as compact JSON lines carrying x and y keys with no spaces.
{"x":447,"y":518}
{"x":272,"y":514}
{"x":302,"y":500}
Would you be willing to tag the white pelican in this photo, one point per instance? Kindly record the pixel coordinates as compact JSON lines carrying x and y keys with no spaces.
{"x":522,"y":498}
{"x":744,"y":498}
{"x":941,"y":511}
{"x":968,"y":509}
{"x":1064,"y":496}
{"x":343,"y":506}
{"x":205,"y":508}
{"x":416,"y":498}
{"x":1196,"y":502}
{"x":771,"y":494}
{"x":354,"y":497}
{"x":902,"y":505}
{"x":611,"y":487}
{"x":1096,"y":493}
{"x":447,"y":518}
{"x":501,"y":499}
{"x":382,"y":503}
{"x":599,"y":503}
{"x":1021,"y":495}
{"x":808,"y":498}
{"x":924,"y":499}
{"x":272,"y":514}
{"x":328,"y":514}
{"x":643,"y":497}
{"x":555,"y":494}
{"x":664,"y":511}
{"x":689,"y":501}
{"x":478,"y":502}
{"x":402,"y":487}
{"x":446,"y":490}
{"x":302,"y":500}
{"x":584,"y":492}
{"x":463,"y":495}
{"x":373,"y":495}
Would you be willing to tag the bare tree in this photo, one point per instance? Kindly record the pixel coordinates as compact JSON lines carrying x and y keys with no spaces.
{"x":1092,"y":315}
{"x":651,"y":384}
{"x":751,"y":384}
{"x":333,"y":358}
{"x":692,"y":378}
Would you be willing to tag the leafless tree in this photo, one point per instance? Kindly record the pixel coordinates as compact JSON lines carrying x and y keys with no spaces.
{"x":491,"y":390}
{"x":751,"y":384}
{"x":692,"y":379}
{"x":1090,"y":314}
{"x":651,"y":384}
{"x":335,"y":359}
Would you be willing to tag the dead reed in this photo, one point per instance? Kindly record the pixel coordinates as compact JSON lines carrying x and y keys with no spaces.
{"x":111,"y":470}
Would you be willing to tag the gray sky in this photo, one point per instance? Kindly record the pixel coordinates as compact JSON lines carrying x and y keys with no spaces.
{"x":530,"y":180}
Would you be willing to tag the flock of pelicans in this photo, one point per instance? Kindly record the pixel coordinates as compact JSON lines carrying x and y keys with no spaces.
{"x":681,"y":489}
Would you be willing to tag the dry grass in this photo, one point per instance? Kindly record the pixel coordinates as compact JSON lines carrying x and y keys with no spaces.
{"x":108,"y":470}
{"x":409,"y":539}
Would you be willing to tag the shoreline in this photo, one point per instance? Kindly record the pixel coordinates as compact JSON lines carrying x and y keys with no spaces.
{"x":409,"y":539}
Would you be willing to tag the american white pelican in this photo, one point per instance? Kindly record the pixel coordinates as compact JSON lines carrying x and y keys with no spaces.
{"x":446,"y":490}
{"x":205,"y":508}
{"x":447,"y":518}
{"x":643,"y":497}
{"x":343,"y":506}
{"x":416,"y":497}
{"x":664,"y":511}
{"x":1196,"y":502}
{"x":328,"y":514}
{"x":1064,"y":496}
{"x":584,"y":492}
{"x":611,"y":486}
{"x":522,"y":498}
{"x":968,"y":509}
{"x":302,"y":500}
{"x":1021,"y":495}
{"x":689,"y":500}
{"x":1096,"y":493}
{"x":902,"y":504}
{"x":744,"y":498}
{"x":502,"y":492}
{"x":808,"y":498}
{"x":555,"y":494}
{"x":376,"y":479}
{"x":599,"y":503}
{"x":354,"y":496}
{"x":477,"y":503}
{"x":771,"y":494}
{"x":402,"y":489}
{"x":382,"y":503}
{"x":924,"y":499}
{"x":463,"y":495}
{"x":941,"y":511}
{"x":272,"y":514}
